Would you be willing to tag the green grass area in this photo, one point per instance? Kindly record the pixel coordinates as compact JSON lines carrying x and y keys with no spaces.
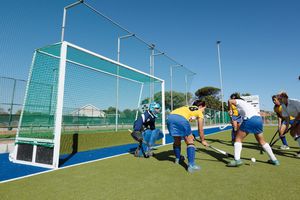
{"x":127,"y":177}
{"x":93,"y":140}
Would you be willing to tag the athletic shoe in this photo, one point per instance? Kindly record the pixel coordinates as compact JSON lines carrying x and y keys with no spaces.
{"x":298,"y":155}
{"x":274,"y":162}
{"x":137,"y":152}
{"x":284,"y":147}
{"x":177,"y":161}
{"x":235,"y":163}
{"x":193,"y":168}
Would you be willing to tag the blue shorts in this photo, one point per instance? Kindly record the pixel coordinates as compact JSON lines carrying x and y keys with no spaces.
{"x":252,"y":125}
{"x":285,"y":123}
{"x":178,"y":126}
{"x":238,"y":118}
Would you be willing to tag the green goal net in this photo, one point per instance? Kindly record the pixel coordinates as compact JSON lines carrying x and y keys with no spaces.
{"x":70,"y":91}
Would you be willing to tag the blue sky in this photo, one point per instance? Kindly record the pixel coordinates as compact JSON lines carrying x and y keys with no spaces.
{"x":260,"y":46}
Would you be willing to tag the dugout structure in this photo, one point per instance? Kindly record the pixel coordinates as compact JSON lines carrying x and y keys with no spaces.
{"x":64,"y":79}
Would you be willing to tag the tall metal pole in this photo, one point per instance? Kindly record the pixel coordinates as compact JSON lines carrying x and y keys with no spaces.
{"x":186,"y":86}
{"x":152,"y":70}
{"x":171,"y":84}
{"x":11,"y":106}
{"x":118,"y":79}
{"x":171,"y":87}
{"x":186,"y":90}
{"x":221,"y":80}
{"x":65,"y":17}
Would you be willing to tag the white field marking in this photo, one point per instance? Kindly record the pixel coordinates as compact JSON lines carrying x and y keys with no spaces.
{"x":83,"y":163}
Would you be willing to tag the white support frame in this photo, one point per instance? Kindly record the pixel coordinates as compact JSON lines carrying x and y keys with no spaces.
{"x":59,"y":105}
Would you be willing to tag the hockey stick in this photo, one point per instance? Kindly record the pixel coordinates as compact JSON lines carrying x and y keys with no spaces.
{"x":271,"y":144}
{"x":222,"y":127}
{"x":274,"y":137}
{"x":216,"y":149}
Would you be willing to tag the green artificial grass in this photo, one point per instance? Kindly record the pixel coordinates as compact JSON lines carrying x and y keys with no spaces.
{"x":127,"y":177}
{"x":93,"y":140}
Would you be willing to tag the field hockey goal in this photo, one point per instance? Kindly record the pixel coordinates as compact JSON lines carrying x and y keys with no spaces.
{"x":71,"y":89}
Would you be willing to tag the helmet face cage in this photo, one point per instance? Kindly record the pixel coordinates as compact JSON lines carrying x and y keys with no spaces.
{"x":154,"y":106}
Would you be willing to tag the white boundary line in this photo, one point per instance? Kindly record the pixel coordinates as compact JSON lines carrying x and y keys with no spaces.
{"x":91,"y":161}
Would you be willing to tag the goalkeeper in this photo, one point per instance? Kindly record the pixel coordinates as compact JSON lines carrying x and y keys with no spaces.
{"x":144,"y":131}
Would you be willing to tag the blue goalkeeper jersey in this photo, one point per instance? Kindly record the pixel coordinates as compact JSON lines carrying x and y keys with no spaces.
{"x":144,"y":121}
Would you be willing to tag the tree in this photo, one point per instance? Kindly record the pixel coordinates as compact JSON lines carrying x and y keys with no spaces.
{"x":128,"y":114}
{"x":208,"y":91}
{"x":110,"y":110}
{"x":179,"y":99}
{"x":246,"y":94}
{"x":211,"y":96}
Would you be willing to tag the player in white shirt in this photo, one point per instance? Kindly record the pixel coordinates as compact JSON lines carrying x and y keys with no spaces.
{"x":291,"y":108}
{"x":252,"y":123}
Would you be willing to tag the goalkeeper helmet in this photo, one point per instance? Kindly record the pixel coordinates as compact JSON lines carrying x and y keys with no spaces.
{"x":154,"y":108}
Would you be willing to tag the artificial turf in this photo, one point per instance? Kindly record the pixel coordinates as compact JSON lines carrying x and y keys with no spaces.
{"x":127,"y":177}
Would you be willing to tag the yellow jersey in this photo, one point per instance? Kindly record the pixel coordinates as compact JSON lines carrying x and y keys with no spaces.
{"x":188,"y":112}
{"x":278,"y":111}
{"x":235,"y":111}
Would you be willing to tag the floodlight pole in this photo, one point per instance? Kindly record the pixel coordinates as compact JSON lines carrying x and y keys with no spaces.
{"x":118,"y":59}
{"x":152,"y":70}
{"x":65,"y":17}
{"x":119,"y":43}
{"x":186,"y":87}
{"x":171,"y":83}
{"x":221,"y":80}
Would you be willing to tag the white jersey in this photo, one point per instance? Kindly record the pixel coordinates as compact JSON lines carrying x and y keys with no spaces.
{"x":246,"y":110}
{"x":293,"y":108}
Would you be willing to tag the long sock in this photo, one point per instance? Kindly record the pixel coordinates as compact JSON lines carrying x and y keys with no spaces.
{"x":284,"y":142}
{"x":177,"y":151}
{"x":191,"y":154}
{"x":269,"y":151}
{"x":232,"y":135}
{"x":237,"y":150}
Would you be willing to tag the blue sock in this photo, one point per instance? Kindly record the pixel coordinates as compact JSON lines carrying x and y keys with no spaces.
{"x":177,"y":151}
{"x":232,"y":135}
{"x":191,"y":154}
{"x":283,"y":139}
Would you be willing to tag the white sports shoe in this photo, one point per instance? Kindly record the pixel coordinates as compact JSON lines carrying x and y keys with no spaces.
{"x":284,"y":147}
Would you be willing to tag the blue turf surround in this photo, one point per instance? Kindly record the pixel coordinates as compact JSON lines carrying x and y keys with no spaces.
{"x":9,"y":170}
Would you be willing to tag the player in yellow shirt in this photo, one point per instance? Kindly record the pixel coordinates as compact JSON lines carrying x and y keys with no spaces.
{"x":236,"y":118}
{"x":282,"y":124}
{"x":179,"y":127}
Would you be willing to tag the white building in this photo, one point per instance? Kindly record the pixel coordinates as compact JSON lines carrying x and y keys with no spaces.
{"x":88,"y":111}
